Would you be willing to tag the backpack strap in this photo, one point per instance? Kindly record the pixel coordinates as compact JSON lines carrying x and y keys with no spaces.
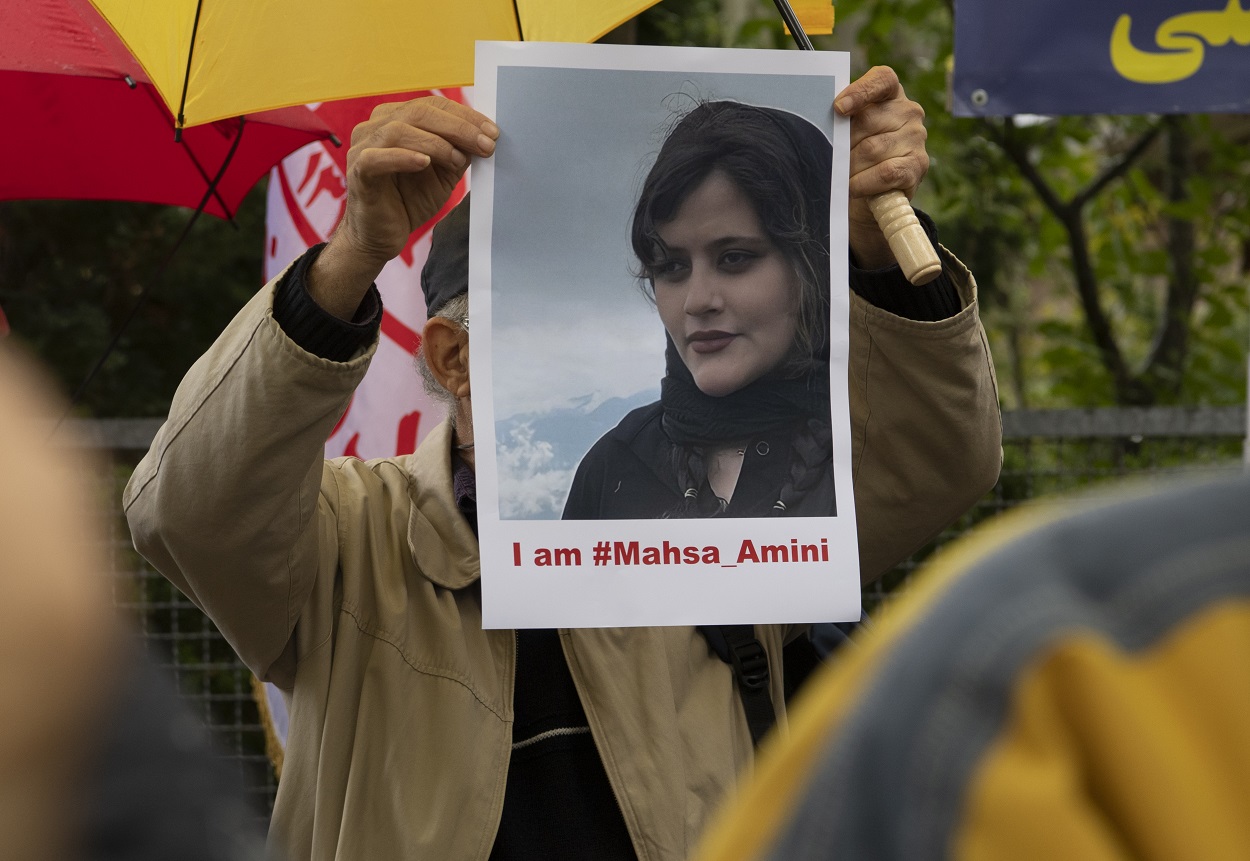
{"x":800,"y":657}
{"x":737,"y":646}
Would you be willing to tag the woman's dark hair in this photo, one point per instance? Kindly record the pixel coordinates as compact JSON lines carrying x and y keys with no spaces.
{"x":783,"y":164}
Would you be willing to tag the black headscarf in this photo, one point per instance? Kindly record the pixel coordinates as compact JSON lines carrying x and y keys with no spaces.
{"x":707,"y":135}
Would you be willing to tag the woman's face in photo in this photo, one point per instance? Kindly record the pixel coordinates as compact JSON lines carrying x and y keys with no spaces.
{"x":726,"y":294}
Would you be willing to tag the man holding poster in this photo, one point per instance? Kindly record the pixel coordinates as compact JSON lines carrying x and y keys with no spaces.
{"x":354,"y":586}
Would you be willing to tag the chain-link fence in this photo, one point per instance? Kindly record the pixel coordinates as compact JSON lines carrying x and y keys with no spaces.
{"x":1045,"y":453}
{"x":1054,"y":452}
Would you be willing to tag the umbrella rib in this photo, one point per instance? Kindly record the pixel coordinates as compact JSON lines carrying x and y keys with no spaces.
{"x":186,"y":78}
{"x":212,"y":183}
{"x":160,"y":106}
{"x":516,"y":12}
{"x":160,"y":274}
{"x":793,"y":23}
{"x":211,"y":191}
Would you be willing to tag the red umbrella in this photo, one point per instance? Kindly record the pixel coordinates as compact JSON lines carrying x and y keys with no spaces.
{"x":85,"y":123}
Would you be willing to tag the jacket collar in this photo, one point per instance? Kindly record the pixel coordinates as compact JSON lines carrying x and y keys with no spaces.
{"x":441,"y":541}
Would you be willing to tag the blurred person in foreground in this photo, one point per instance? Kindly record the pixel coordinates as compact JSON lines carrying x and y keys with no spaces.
{"x":98,"y":759}
{"x":58,"y":636}
{"x":1070,"y":682}
{"x":354,"y":586}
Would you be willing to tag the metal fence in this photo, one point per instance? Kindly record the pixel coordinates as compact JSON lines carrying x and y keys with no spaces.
{"x":1045,"y":453}
{"x":1054,"y":452}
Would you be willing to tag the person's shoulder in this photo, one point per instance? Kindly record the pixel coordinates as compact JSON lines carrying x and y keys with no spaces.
{"x":638,"y":431}
{"x":629,"y":453}
{"x":637,"y":424}
{"x":367,"y":491}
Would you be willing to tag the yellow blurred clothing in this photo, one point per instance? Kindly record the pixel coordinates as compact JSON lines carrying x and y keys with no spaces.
{"x":1069,"y":684}
{"x":57,"y":633}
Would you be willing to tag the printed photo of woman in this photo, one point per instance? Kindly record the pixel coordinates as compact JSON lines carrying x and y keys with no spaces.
{"x":731,"y":238}
{"x":778,"y":415}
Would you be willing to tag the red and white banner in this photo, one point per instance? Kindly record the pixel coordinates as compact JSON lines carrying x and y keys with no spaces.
{"x":390,"y":412}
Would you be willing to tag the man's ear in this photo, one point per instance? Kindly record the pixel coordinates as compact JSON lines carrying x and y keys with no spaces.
{"x":446,"y":349}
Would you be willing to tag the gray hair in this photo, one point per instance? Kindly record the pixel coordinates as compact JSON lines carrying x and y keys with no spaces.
{"x":455,"y":309}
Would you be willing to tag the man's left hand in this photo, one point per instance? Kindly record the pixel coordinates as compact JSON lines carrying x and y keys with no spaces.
{"x":887,"y":152}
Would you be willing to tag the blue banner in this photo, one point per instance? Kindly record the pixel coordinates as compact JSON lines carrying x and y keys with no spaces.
{"x":1100,"y":56}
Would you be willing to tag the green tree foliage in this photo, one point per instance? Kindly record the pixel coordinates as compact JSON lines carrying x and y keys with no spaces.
{"x":70,"y":272}
{"x":681,"y":22}
{"x":1111,"y":251}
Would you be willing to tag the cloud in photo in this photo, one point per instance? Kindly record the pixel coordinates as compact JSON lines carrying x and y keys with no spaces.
{"x":531,"y":486}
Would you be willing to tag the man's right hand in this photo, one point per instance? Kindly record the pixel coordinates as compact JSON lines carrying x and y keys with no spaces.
{"x":403,"y":165}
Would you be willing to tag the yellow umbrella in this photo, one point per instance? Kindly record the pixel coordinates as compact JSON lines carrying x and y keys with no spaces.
{"x":211,"y":59}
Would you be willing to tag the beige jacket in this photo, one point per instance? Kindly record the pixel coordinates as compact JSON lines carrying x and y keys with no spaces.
{"x":354,"y":586}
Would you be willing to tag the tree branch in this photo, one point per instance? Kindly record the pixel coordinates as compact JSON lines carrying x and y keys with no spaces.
{"x":1165,"y":366}
{"x":1128,"y":390}
{"x":1118,"y":168}
{"x":1016,"y":151}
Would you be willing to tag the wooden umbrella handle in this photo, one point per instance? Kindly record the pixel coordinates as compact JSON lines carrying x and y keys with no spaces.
{"x":908,"y":241}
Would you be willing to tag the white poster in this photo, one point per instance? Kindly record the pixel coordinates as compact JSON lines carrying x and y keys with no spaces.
{"x":662,"y":441}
